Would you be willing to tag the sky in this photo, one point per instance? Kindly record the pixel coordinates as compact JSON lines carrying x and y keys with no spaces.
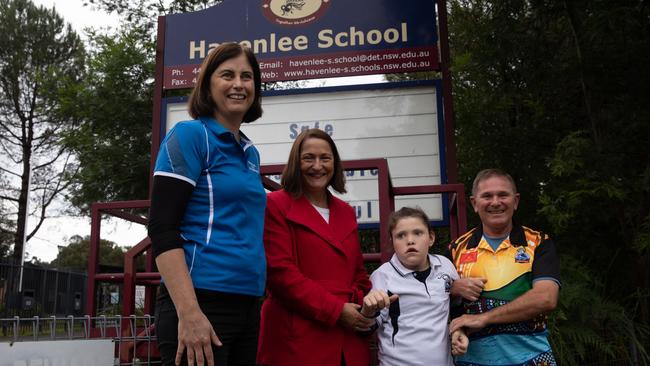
{"x":78,"y":15}
{"x":57,"y":231}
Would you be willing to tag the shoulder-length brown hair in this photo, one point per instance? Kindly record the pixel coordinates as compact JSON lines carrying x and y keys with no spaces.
{"x":201,"y":104}
{"x":292,"y":175}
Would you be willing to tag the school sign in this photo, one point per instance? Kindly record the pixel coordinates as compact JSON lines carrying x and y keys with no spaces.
{"x":404,"y":123}
{"x":306,"y":39}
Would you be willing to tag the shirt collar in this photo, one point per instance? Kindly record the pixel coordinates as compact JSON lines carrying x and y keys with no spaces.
{"x":403,"y":271}
{"x":516,"y":236}
{"x":214,"y":126}
{"x":217,"y":128}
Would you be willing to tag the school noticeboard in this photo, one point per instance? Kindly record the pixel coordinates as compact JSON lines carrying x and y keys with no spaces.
{"x":397,"y":121}
{"x":306,"y":39}
{"x":80,"y":352}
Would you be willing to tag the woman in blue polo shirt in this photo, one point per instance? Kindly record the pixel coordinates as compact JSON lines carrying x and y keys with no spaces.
{"x":206,"y":219}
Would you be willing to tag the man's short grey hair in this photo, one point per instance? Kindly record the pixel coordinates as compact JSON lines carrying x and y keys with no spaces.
{"x":489,"y":173}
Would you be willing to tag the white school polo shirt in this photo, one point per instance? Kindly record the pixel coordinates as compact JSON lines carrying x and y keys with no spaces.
{"x":419,"y":335}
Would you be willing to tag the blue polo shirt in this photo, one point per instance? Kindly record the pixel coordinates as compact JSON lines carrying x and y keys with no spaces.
{"x":223,"y":224}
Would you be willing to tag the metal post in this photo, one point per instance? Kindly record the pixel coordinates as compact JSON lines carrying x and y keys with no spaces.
{"x":447,"y":98}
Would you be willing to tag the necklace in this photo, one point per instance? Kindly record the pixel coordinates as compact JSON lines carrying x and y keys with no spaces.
{"x":322,"y":202}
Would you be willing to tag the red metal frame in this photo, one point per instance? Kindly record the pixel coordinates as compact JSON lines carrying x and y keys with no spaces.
{"x":97,"y":210}
{"x":130,"y":277}
{"x":157,"y":95}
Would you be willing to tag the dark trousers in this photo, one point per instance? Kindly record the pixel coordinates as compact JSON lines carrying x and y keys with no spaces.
{"x":234,"y":317}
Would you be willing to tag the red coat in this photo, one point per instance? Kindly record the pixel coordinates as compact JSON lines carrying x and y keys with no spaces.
{"x":298,"y":325}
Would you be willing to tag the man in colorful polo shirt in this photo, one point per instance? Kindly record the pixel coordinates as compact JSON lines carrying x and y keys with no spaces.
{"x":510,"y":279}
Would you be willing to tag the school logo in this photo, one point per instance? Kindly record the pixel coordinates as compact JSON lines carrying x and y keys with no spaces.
{"x":252,"y":166}
{"x":521,"y":256}
{"x":448,"y":282}
{"x":294,"y":12}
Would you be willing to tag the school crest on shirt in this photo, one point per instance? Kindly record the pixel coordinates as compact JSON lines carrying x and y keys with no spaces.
{"x":521,"y":256}
{"x":252,"y":166}
{"x":447,"y":278}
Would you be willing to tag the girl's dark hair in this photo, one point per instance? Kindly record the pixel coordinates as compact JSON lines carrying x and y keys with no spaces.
{"x":201,"y":103}
{"x":405,"y":212}
{"x":292,"y":175}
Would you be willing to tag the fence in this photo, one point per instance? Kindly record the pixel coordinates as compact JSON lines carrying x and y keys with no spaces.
{"x":44,"y":291}
{"x":134,"y":341}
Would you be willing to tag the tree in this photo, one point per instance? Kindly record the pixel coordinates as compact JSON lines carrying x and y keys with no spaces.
{"x":555,"y":93}
{"x":39,"y":54}
{"x":599,"y":186}
{"x":75,"y":254}
{"x":113,"y":105}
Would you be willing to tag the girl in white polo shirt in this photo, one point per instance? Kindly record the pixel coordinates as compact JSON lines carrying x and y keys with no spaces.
{"x":410,"y":297}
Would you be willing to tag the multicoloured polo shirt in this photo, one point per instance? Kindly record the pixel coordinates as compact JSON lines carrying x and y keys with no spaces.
{"x":524,"y":257}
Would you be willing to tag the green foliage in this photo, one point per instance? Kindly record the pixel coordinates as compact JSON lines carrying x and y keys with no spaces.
{"x":140,"y":16}
{"x":588,"y":326}
{"x":422,"y":75}
{"x":75,"y":254}
{"x":556,"y":94}
{"x":113,"y":107}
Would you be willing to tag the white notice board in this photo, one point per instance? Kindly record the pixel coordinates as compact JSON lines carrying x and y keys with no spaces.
{"x":78,"y":352}
{"x":396,"y":121}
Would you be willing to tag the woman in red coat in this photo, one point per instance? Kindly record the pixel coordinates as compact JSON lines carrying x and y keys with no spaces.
{"x":315,"y":275}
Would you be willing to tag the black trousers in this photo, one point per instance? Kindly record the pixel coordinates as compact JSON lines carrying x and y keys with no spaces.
{"x":234,"y":317}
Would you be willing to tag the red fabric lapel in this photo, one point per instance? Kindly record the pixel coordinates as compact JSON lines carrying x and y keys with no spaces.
{"x":341,"y":223}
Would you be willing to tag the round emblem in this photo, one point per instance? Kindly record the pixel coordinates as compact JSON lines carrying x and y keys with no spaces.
{"x":294,"y":12}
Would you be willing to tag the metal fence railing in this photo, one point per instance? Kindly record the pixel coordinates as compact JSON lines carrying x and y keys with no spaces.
{"x":133,"y":336}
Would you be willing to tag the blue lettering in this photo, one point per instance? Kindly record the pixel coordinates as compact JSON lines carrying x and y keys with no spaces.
{"x":358,"y":210}
{"x":295,"y":128}
{"x":294,"y":132}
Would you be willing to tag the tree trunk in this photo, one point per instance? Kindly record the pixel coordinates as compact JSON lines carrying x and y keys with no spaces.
{"x":23,"y":198}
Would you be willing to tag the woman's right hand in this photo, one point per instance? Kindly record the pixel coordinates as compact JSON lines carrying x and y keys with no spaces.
{"x":196,"y":336}
{"x":195,"y":333}
{"x":352,"y":319}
